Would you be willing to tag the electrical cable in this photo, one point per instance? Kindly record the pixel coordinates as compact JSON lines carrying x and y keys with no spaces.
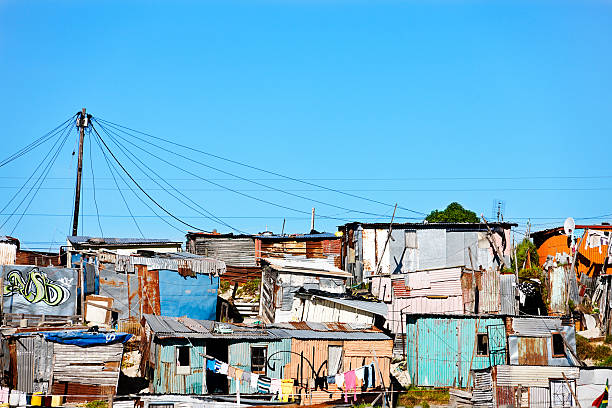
{"x":127,"y":153}
{"x":93,"y":183}
{"x":237,"y":191}
{"x":60,"y":133}
{"x":138,"y":185}
{"x":155,"y":214}
{"x":120,"y":127}
{"x":42,"y":180}
{"x":110,"y":169}
{"x":34,"y":144}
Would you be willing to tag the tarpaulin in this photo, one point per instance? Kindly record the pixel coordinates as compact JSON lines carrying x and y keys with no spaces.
{"x":84,"y":339}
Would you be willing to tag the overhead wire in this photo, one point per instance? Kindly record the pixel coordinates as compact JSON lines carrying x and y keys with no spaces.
{"x":127,"y":152}
{"x":41,"y":178}
{"x":121,"y":128}
{"x":33,"y":145}
{"x":93,"y":183}
{"x":138,"y":185}
{"x":242,"y":178}
{"x":155,"y":214}
{"x":110,"y":169}
{"x":59,"y":137}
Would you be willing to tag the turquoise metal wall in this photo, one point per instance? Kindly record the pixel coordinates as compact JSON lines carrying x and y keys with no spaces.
{"x":240,"y":357}
{"x":439,"y":349}
{"x":165,"y":378}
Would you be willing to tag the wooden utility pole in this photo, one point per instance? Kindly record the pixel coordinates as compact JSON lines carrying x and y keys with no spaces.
{"x":378,"y":265}
{"x":82,"y":123}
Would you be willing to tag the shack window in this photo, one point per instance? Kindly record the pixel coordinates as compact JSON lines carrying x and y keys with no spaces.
{"x":557,"y":345}
{"x":334,"y":360}
{"x":482,"y":344}
{"x":183,"y":363}
{"x":259,"y":355}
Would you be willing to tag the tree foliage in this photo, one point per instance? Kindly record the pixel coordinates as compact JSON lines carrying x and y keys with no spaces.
{"x":526,"y":246}
{"x":453,"y":213}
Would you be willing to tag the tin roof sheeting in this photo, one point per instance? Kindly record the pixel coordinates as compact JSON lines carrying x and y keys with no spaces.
{"x":308,"y":266}
{"x":535,"y":376}
{"x":164,"y":326}
{"x":378,"y":308}
{"x":539,"y":326}
{"x":172,"y":262}
{"x":95,"y":241}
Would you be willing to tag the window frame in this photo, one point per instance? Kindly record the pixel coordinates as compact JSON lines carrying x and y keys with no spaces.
{"x":552,"y":345}
{"x":478,"y":337}
{"x":265,"y":359}
{"x":180,"y":368}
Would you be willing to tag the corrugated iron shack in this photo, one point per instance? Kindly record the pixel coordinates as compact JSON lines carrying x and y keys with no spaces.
{"x":319,"y":306}
{"x":285,"y":350}
{"x":121,"y":246}
{"x":441,"y":349}
{"x":79,"y":365}
{"x":535,"y":386}
{"x":422,"y":246}
{"x":542,"y":340}
{"x":282,"y":278}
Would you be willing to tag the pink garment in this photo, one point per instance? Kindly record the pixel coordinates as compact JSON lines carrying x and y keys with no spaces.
{"x":350,"y":383}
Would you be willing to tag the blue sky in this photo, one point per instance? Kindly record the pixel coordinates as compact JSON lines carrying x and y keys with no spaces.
{"x":416,"y":102}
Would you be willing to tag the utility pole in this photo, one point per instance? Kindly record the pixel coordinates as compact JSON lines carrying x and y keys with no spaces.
{"x":82,"y":123}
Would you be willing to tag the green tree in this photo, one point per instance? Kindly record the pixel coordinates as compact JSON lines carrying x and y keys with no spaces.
{"x":453,"y":213}
{"x":526,"y":246}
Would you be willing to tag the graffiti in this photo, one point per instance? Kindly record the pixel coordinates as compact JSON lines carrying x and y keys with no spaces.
{"x":37,"y":288}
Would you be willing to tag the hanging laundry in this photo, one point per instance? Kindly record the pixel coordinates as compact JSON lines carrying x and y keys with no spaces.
{"x":366,"y":378}
{"x":331,"y":379}
{"x":372,"y":382}
{"x":350,"y":380}
{"x":254,"y":380}
{"x":217,"y":366}
{"x":263,"y":384}
{"x":340,"y":380}
{"x":223,"y":369}
{"x":360,"y":373}
{"x":23,"y":400}
{"x":210,"y":364}
{"x":238,"y":374}
{"x":246,"y":377}
{"x":231,"y":372}
{"x":275,"y":387}
{"x":4,"y":395}
{"x":320,"y":383}
{"x":287,"y":390}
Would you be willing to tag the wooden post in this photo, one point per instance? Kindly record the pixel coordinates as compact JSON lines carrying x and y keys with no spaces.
{"x":82,"y":124}
{"x":82,"y":284}
{"x":386,"y":242}
{"x":572,"y":391}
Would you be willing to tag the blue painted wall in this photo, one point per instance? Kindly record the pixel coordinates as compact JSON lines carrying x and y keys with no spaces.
{"x":195,"y":297}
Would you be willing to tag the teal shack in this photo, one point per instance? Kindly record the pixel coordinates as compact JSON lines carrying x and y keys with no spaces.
{"x":441,"y":349}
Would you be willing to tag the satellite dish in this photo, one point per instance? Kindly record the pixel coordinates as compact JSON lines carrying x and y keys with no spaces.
{"x":569,"y":226}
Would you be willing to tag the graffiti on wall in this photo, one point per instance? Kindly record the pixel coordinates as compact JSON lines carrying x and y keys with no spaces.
{"x":36,"y":290}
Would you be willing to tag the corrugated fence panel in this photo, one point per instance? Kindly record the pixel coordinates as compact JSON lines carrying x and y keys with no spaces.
{"x":507,"y":295}
{"x":25,"y":362}
{"x":539,"y":397}
{"x":437,"y":357}
{"x":489,"y":293}
{"x":534,"y":376}
{"x":558,"y":293}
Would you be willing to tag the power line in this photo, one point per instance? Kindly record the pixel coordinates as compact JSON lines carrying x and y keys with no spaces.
{"x":120,"y":127}
{"x":128,"y":153}
{"x":242,"y":178}
{"x":41,"y":178}
{"x":138,"y":185}
{"x":109,"y":163}
{"x":34,"y":144}
{"x":93,"y":184}
{"x":110,"y":169}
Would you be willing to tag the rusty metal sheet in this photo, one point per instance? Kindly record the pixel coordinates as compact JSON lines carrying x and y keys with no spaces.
{"x":532,"y":351}
{"x":148,"y":290}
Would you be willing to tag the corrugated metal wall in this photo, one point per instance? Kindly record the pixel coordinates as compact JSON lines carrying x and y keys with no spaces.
{"x":166,"y":381}
{"x":240,"y":357}
{"x":236,"y":251}
{"x":439,"y":349}
{"x":34,"y":363}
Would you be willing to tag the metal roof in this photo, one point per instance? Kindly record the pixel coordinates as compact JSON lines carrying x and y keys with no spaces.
{"x":171,"y":261}
{"x":309,"y":266}
{"x":164,"y":326}
{"x":463,"y":226}
{"x":378,"y":308}
{"x":96,"y":241}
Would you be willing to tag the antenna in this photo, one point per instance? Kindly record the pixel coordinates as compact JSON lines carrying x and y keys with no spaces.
{"x":498,"y":209}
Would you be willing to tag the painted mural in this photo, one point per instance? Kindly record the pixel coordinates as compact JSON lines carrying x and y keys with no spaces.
{"x":39,"y":290}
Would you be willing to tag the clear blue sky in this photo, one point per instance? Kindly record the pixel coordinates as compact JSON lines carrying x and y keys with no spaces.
{"x":416,"y":102}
